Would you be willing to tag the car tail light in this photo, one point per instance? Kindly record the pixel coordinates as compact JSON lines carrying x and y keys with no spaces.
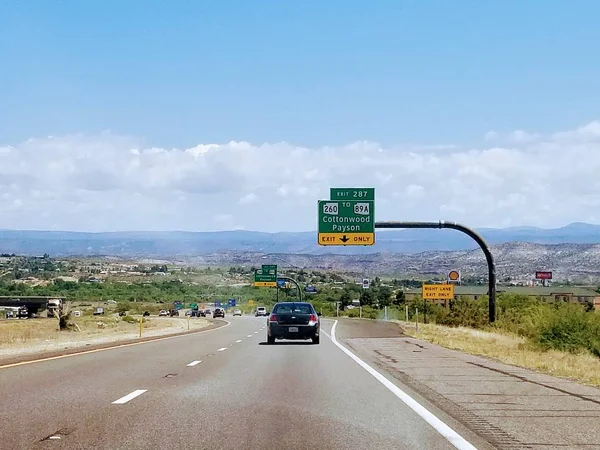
{"x":273,"y":318}
{"x":314,"y":318}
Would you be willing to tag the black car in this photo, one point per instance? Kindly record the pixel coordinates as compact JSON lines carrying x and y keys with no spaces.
{"x":219,"y":312}
{"x":293,"y":320}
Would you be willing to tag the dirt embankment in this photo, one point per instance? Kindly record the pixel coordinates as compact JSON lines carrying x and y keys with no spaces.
{"x":33,"y":338}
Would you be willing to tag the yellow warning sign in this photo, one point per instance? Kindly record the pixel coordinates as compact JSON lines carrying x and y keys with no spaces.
{"x":346,"y":238}
{"x":265,"y":283}
{"x":250,"y":302}
{"x":438,"y":291}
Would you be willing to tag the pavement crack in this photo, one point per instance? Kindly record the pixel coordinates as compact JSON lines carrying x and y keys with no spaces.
{"x":537,"y":383}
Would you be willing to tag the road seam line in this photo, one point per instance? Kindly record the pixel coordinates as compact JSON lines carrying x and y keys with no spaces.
{"x":129,"y":397}
{"x":194,"y":363}
{"x":451,"y":436}
{"x":86,"y":352}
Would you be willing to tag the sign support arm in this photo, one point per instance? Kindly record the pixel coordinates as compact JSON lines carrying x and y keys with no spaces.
{"x":473,"y":235}
{"x":297,"y":286}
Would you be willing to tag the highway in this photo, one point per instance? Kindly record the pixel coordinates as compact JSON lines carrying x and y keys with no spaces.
{"x":220,"y":389}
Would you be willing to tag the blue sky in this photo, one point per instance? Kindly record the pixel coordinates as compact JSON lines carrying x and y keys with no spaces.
{"x":179,"y":73}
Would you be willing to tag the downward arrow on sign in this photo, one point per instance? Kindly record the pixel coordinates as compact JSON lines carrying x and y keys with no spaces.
{"x":344,"y":239}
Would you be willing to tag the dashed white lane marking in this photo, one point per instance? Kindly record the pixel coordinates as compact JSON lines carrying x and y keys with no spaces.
{"x":249,"y":335}
{"x":255,"y":332}
{"x":194,"y":363}
{"x":85,"y":352}
{"x":129,"y":397}
{"x":452,"y":436}
{"x":222,"y":349}
{"x":238,"y":341}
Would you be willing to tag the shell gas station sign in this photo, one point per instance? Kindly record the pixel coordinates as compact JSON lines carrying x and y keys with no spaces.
{"x":454,"y":276}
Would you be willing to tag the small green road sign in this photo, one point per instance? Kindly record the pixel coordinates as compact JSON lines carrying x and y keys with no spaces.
{"x":266,"y":276}
{"x":346,"y":222}
{"x":352,"y":194}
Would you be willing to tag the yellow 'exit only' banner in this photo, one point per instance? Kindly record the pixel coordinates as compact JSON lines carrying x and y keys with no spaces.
{"x":438,"y":291}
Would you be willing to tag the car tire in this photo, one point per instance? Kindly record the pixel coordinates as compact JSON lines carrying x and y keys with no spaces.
{"x":316,"y":339}
{"x":270,"y":340}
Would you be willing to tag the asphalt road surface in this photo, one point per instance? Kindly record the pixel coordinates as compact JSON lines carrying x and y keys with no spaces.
{"x":221,"y":389}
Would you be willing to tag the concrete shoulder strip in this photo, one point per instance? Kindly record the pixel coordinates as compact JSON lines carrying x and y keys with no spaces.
{"x":452,"y":436}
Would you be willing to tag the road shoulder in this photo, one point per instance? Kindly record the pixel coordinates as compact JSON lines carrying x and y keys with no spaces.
{"x":42,"y":354}
{"x":509,"y":407}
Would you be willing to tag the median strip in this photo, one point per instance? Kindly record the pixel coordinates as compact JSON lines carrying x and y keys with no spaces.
{"x":129,"y":397}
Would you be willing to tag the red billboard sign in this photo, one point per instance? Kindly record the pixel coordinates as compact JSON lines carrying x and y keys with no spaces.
{"x":543,"y":275}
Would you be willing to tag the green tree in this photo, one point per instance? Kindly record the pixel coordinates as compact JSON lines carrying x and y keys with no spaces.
{"x":367,"y":298}
{"x":384,"y":296}
{"x":400,"y":298}
{"x":345,"y":298}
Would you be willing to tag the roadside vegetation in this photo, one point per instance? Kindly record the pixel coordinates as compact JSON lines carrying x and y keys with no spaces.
{"x":553,"y":337}
{"x":555,"y":325}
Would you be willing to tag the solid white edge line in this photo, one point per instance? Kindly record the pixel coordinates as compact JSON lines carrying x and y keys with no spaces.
{"x":452,"y":436}
{"x":222,"y":349}
{"x":129,"y":397}
{"x":194,"y":363}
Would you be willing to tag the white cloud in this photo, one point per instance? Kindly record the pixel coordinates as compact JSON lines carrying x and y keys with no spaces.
{"x":109,"y":182}
{"x":248,"y":198}
{"x":491,"y":136}
{"x":520,"y":136}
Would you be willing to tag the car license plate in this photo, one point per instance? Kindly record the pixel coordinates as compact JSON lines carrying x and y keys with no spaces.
{"x":293,"y":329}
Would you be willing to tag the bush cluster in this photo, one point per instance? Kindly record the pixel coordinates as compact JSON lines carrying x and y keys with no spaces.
{"x":549,"y":325}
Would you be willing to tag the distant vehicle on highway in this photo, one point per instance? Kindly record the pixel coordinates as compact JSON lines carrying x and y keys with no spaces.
{"x":163,"y":313}
{"x":261,"y":311}
{"x":146,"y":313}
{"x":207,"y":312}
{"x":237,"y":312}
{"x":293,"y":320}
{"x":219,"y":312}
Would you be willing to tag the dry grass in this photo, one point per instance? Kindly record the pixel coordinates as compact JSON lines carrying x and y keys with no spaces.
{"x":512,"y":349}
{"x":24,"y":333}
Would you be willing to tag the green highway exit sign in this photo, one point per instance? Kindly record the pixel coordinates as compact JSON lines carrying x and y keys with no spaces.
{"x":346,"y":222}
{"x":352,"y":194}
{"x":266,"y":276}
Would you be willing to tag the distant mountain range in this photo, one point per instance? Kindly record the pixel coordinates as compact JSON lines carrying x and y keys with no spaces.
{"x":179,"y":245}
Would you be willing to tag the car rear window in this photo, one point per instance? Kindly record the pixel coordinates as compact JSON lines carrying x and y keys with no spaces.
{"x":291,"y":308}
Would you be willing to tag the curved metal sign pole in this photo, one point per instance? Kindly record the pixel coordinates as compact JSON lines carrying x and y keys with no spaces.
{"x":469,"y":232}
{"x":297,"y":285}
